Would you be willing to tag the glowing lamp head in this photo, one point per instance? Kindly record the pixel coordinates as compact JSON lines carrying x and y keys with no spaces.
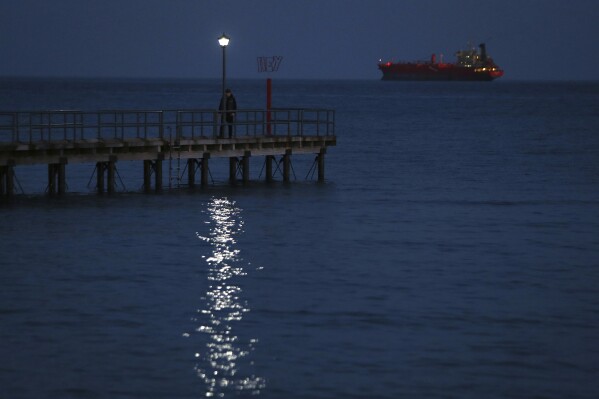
{"x":223,"y":40}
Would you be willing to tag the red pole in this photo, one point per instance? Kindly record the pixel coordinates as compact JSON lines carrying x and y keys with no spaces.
{"x":268,"y":103}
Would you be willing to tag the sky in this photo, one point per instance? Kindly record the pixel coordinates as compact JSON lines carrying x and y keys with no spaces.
{"x":318,"y":39}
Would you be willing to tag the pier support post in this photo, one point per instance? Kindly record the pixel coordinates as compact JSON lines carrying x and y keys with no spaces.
{"x":286,"y":165}
{"x":232,"y":169}
{"x":268,"y":161}
{"x":57,"y":178}
{"x":191,"y":172}
{"x":246,"y":166}
{"x":150,"y":166}
{"x":10,"y":180}
{"x":147,"y":175}
{"x":321,"y":164}
{"x":205,"y":170}
{"x":7,"y":185}
{"x":109,"y":169}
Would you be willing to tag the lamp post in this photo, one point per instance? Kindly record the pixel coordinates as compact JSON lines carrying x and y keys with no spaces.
{"x":224,"y":42}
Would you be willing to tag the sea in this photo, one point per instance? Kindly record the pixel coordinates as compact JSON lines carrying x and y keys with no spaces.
{"x":451,"y":252}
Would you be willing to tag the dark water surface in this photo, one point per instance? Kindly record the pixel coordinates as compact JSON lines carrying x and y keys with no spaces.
{"x":453,"y":252}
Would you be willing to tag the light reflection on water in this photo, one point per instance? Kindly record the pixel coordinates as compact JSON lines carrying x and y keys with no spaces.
{"x":221,"y":362}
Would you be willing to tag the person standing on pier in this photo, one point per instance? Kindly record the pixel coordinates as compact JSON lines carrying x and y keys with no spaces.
{"x":231,"y":107}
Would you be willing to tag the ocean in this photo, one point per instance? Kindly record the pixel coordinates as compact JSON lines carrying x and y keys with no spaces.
{"x":452,"y":252}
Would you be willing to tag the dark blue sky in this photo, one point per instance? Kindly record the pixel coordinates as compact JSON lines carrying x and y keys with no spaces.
{"x":530,"y":39}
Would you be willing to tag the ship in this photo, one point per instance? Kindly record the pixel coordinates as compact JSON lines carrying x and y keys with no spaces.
{"x":470,"y":65}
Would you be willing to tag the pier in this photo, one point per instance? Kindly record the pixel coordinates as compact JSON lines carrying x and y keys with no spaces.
{"x":103,"y":138}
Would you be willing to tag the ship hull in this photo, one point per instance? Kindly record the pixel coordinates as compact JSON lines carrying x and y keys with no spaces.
{"x":449,"y":72}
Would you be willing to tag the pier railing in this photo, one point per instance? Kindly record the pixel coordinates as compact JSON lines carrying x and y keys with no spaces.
{"x":73,"y":125}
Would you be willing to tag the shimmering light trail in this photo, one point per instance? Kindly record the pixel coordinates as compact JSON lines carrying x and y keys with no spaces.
{"x":219,"y":364}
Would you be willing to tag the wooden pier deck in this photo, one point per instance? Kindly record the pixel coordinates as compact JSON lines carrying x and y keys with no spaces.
{"x":59,"y":138}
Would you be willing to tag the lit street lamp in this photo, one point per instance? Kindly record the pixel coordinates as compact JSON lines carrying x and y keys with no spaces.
{"x":224,"y":42}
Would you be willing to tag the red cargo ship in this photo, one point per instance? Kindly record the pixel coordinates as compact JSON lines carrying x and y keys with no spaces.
{"x":470,"y":65}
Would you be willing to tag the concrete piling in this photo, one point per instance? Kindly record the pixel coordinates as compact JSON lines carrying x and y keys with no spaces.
{"x":7,"y":186}
{"x":286,"y":165}
{"x":321,"y":164}
{"x":246,"y":167}
{"x":204,"y":169}
{"x":269,"y":159}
